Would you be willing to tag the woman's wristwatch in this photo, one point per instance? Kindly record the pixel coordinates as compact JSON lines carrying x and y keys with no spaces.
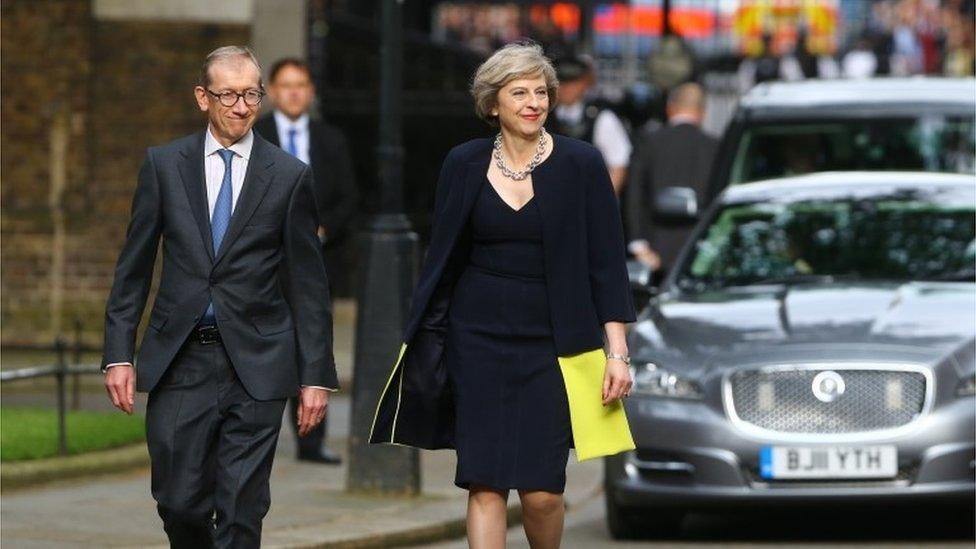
{"x":624,"y":359}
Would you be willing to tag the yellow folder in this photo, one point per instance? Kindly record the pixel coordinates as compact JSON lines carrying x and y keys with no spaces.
{"x":598,"y":430}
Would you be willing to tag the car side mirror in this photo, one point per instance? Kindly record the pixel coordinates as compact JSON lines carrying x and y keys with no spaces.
{"x":641,"y":285}
{"x":679,"y":203}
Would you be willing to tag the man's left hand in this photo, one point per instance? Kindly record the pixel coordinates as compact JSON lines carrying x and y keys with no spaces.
{"x":616,"y":381}
{"x":311,"y":410}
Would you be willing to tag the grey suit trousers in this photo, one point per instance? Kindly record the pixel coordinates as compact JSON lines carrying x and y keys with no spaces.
{"x":212,"y":448}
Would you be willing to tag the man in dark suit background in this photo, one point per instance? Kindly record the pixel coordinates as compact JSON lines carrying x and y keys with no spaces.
{"x":324,"y":147}
{"x":241,"y":320}
{"x":678,"y":154}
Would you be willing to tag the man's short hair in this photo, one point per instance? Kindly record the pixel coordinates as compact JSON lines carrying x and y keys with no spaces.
{"x":288,"y":62}
{"x":687,"y":96}
{"x":224,"y":53}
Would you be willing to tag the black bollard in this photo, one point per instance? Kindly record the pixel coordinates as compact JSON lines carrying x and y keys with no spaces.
{"x":388,"y":263}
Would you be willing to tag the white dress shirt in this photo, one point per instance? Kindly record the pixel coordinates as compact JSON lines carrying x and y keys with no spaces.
{"x":609,"y":134}
{"x":300,"y":125}
{"x":860,"y":64}
{"x":213,"y":166}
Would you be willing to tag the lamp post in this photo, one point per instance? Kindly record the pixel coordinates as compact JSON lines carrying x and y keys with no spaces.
{"x":388,"y":270}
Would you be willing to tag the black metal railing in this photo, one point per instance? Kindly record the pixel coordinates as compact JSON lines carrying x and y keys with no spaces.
{"x":60,"y":371}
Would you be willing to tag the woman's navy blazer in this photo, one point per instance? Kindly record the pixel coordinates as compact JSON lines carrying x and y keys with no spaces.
{"x":585,"y":271}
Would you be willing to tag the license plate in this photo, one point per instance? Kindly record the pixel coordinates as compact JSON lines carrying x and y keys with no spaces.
{"x":828,"y":462}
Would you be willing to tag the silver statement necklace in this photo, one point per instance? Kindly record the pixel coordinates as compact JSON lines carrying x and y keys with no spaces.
{"x":519,"y":175}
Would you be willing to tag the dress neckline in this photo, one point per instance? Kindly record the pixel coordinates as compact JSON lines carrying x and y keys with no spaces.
{"x":503,"y":201}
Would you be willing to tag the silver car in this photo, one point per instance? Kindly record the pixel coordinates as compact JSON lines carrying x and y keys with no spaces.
{"x":814,"y":344}
{"x":878,"y":124}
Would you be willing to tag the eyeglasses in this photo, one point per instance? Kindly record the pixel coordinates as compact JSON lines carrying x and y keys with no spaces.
{"x":230,"y":98}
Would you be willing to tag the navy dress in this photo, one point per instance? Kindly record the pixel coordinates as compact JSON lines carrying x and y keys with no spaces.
{"x":512,"y":424}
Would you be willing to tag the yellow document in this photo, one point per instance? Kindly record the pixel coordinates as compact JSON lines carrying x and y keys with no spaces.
{"x":598,"y":430}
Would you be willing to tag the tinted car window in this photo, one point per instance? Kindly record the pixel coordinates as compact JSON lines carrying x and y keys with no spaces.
{"x":936,"y":143}
{"x":907,"y":235}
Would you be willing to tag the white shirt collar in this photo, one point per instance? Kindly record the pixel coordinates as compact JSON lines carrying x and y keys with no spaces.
{"x":285,"y":123}
{"x":683,"y":119}
{"x":241,"y":148}
{"x":571,"y":113}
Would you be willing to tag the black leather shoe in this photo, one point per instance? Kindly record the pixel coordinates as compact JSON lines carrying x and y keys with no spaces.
{"x":320,"y":456}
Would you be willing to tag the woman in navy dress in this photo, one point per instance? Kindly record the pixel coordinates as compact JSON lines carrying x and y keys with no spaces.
{"x":525,"y":273}
{"x":512,"y":422}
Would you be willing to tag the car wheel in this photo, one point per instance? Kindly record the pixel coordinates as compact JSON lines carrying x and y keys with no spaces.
{"x":636,"y":523}
{"x":646,"y":523}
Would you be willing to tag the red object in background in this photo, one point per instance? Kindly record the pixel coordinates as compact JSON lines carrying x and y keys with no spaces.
{"x":565,"y":16}
{"x":693,"y":23}
{"x":648,"y":20}
{"x":611,"y":19}
{"x":931,"y":56}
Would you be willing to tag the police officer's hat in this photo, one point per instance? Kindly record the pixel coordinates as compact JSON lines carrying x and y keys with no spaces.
{"x":573,"y":68}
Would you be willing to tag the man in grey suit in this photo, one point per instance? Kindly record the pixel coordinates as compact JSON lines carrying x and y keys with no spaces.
{"x":241,"y":321}
{"x":678,"y":154}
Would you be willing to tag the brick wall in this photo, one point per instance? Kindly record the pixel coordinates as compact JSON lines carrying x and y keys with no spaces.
{"x":117,"y":87}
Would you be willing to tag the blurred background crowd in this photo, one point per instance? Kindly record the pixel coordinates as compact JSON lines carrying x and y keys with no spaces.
{"x":79,"y":118}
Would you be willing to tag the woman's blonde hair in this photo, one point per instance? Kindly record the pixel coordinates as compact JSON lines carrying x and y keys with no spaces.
{"x":514,"y":61}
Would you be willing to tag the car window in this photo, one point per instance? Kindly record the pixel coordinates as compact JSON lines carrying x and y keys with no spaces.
{"x":897,"y":237}
{"x":935,"y":143}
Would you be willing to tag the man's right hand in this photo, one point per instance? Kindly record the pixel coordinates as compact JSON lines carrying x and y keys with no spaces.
{"x":120,"y":382}
{"x":649,"y":257}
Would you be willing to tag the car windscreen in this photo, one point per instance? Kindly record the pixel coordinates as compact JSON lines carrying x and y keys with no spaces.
{"x":930,"y":142}
{"x":911,"y":234}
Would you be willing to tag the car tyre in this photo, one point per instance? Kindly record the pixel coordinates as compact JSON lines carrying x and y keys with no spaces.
{"x":646,"y":523}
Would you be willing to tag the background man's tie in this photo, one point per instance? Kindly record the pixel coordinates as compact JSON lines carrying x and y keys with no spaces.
{"x":292,"y":145}
{"x":221,"y":217}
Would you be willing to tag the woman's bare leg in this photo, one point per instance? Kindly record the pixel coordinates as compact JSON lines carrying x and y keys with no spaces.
{"x":487,"y":517}
{"x":542,"y":518}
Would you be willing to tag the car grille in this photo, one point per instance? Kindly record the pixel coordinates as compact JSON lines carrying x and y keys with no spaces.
{"x":783,"y":400}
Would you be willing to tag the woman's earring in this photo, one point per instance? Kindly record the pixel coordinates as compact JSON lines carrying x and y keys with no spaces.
{"x":494,"y":113}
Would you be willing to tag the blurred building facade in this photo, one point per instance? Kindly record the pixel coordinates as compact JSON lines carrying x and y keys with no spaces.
{"x":87,"y":86}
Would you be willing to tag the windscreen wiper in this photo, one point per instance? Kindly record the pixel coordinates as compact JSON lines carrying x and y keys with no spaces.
{"x":806,"y":279}
{"x":965,"y":275}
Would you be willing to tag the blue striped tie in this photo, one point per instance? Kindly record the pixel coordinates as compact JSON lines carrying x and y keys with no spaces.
{"x":221,"y":217}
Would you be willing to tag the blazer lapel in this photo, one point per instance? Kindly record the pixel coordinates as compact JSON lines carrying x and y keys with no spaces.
{"x":256,"y":182}
{"x":194,"y":182}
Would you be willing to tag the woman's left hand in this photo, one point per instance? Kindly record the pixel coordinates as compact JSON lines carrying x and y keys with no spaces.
{"x":616,"y":381}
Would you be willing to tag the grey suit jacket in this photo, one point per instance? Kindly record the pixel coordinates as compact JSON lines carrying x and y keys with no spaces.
{"x":267,"y":280}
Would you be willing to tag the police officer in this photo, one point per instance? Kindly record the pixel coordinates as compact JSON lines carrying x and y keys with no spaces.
{"x":577,"y":117}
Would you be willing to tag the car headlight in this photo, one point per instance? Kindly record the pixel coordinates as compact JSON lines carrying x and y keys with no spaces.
{"x":966,"y":386}
{"x":651,"y":379}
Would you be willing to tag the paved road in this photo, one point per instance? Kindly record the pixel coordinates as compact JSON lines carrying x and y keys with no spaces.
{"x":865,"y":529}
